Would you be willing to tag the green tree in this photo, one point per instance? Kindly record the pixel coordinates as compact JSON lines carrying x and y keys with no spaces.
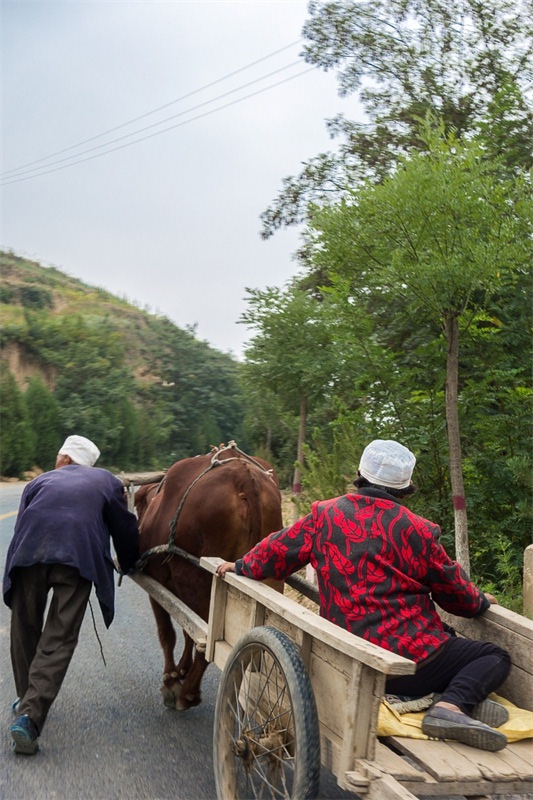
{"x":469,"y":62}
{"x":290,"y":355}
{"x":123,"y":418}
{"x":92,"y":377}
{"x":270,"y":429}
{"x":199,"y":395}
{"x":147,"y":391}
{"x":442,"y":233}
{"x":43,"y":414}
{"x":16,"y":437}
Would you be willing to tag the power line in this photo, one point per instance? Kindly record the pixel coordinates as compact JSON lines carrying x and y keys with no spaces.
{"x":153,"y":111}
{"x":153,"y":125}
{"x":158,"y":133}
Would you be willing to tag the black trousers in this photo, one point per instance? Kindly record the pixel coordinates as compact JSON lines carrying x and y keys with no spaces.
{"x":41,"y":653}
{"x":464,"y":672}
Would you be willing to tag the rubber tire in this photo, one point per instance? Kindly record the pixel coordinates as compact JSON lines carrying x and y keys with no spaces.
{"x":271,"y":648}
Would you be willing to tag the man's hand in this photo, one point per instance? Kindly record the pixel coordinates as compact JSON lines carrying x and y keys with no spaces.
{"x":227,"y":566}
{"x":492,"y":600}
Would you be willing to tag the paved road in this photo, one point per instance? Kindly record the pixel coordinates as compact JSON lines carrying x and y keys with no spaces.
{"x":108,"y":735}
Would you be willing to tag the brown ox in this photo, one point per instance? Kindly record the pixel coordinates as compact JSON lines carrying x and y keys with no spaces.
{"x":220,"y":504}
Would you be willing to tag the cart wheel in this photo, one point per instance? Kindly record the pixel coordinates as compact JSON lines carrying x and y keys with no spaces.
{"x":266,"y":736}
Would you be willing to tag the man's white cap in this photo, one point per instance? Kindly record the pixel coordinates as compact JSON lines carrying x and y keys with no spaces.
{"x":387,"y":463}
{"x":81,"y":450}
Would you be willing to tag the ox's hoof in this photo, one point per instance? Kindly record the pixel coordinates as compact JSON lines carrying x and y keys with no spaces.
{"x":184,"y":702}
{"x":170,"y":689}
{"x":170,"y":694}
{"x":168,"y":698}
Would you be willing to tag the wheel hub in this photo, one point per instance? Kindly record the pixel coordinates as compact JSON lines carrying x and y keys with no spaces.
{"x":249,"y":747}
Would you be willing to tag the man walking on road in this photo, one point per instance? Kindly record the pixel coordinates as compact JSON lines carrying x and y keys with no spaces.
{"x":61,"y":543}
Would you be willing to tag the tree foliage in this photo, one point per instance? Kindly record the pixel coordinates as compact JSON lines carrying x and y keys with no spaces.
{"x":291,"y":356}
{"x":198,"y":396}
{"x":291,"y":351}
{"x":443,"y":258}
{"x":146,"y":391}
{"x":16,"y":434}
{"x":44,"y":418}
{"x":446,"y":240}
{"x":469,"y":62}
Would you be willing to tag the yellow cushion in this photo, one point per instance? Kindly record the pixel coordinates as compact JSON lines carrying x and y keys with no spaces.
{"x":390,"y":723}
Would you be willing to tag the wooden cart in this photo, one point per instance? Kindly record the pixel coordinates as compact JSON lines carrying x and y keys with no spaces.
{"x":297,"y":691}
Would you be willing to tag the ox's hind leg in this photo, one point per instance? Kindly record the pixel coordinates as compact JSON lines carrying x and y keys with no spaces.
{"x":185,"y":662}
{"x":190,"y":694}
{"x":167,"y":637}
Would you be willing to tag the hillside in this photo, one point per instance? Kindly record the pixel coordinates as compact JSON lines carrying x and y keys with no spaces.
{"x":29,"y":288}
{"x":135,"y":379}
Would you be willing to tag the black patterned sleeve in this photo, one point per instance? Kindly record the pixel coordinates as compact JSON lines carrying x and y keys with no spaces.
{"x":451,"y":588}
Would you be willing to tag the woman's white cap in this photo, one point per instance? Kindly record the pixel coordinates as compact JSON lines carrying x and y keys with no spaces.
{"x":387,"y":463}
{"x":81,"y":450}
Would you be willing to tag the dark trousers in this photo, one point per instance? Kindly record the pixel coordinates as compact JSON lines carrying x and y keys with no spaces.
{"x":464,"y":672}
{"x":41,"y":654}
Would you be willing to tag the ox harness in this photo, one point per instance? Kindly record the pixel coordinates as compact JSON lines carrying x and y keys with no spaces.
{"x":171,"y":548}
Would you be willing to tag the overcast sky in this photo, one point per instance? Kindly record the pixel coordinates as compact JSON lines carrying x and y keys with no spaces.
{"x":171,"y":222}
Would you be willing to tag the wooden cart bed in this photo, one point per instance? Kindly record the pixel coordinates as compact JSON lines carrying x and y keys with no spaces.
{"x":348,"y":680}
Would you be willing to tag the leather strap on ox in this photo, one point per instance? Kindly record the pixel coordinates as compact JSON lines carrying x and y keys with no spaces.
{"x":171,"y":548}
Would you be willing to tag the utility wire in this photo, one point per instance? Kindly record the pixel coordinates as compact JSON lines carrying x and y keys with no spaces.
{"x":158,"y":133}
{"x":154,"y":111}
{"x":154,"y":124}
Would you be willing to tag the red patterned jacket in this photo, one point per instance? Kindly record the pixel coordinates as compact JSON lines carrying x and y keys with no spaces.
{"x":379,"y":569}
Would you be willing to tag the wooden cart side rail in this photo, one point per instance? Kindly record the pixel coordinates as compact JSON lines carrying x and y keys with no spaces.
{"x":498,"y":616}
{"x":132,"y":479}
{"x":325,"y":631}
{"x":191,"y":622}
{"x":512,"y":632}
{"x":140,"y":478}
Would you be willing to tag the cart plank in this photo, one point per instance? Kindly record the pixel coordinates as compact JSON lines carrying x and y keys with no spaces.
{"x":520,"y":756}
{"x":454,"y":762}
{"x":438,"y":759}
{"x":478,"y":788}
{"x":195,"y":626}
{"x":398,"y":767}
{"x":385,"y":787}
{"x":491,"y":765}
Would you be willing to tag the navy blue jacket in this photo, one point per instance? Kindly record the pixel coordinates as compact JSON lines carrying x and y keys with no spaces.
{"x":67,"y":516}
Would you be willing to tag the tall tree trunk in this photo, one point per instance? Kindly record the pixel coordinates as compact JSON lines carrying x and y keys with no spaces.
{"x":310,"y":573}
{"x":454,"y":443}
{"x":297,"y":480}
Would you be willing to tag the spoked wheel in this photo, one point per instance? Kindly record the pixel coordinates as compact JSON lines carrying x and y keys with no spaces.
{"x":266,"y":736}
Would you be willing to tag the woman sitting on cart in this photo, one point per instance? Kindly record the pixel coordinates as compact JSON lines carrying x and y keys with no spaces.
{"x":380,"y":570}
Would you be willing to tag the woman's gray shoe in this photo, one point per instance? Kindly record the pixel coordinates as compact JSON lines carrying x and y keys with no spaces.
{"x":441,"y":723}
{"x":488,"y":711}
{"x":491,"y":713}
